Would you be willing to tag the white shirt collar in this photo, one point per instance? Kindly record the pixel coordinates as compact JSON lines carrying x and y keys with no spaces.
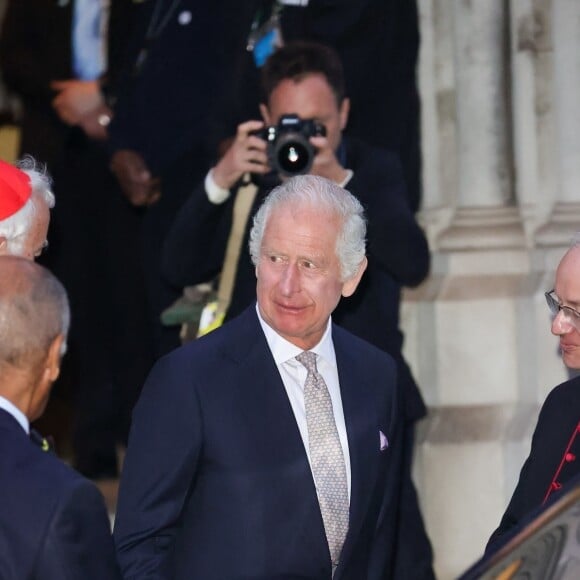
{"x":16,"y":413}
{"x":283,"y":350}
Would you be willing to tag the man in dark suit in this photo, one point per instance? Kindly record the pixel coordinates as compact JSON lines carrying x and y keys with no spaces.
{"x":554,"y":456}
{"x":233,"y":469}
{"x":55,"y":65}
{"x":306,"y":79}
{"x":159,"y":137}
{"x":53,"y":522}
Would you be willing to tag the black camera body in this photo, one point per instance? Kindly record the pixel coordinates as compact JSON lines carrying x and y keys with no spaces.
{"x":289,"y":149}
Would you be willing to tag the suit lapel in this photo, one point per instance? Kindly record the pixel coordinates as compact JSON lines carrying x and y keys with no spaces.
{"x":362,"y":425}
{"x":268,"y":413}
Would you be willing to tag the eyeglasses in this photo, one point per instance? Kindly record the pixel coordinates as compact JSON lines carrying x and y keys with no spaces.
{"x":572,"y":316}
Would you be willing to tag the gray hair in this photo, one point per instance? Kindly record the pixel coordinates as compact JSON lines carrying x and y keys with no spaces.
{"x":319,"y":193}
{"x":575,"y":241}
{"x":15,"y":227}
{"x":34,"y":310}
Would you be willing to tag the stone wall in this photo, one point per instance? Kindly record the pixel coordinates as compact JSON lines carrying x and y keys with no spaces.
{"x":501,"y":169}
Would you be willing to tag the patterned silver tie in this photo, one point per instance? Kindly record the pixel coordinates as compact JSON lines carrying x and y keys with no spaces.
{"x":326,"y":457}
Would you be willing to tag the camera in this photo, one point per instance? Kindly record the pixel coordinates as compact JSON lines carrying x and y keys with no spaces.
{"x":289,"y":149}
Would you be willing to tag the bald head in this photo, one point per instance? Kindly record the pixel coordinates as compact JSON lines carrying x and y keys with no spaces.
{"x":566,"y":294}
{"x":34,"y":311}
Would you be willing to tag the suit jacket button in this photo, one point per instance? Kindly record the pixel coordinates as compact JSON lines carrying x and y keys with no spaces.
{"x":570,"y":457}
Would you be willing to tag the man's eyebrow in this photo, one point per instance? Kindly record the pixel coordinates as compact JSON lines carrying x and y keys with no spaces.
{"x":570,"y":303}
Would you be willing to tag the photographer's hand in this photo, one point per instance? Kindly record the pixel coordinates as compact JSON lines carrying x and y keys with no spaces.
{"x":325,"y":163}
{"x":246,"y":154}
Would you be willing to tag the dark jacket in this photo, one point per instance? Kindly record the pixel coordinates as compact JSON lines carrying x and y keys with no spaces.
{"x":554,"y":457}
{"x":53,"y":522}
{"x":232,"y":494}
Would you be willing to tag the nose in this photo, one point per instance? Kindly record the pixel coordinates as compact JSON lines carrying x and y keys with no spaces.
{"x":561,"y":325}
{"x":290,"y":281}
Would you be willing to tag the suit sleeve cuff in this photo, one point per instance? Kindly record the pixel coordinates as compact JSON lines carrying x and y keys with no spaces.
{"x":214,"y":192}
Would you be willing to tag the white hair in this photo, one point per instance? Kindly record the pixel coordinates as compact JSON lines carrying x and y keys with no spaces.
{"x":575,"y":241}
{"x":15,"y":227}
{"x":318,"y":193}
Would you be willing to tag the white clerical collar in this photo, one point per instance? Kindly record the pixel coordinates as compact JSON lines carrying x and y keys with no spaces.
{"x":283,"y":350}
{"x":16,"y":413}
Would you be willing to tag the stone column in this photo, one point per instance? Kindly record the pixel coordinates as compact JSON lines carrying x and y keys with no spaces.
{"x":470,"y":328}
{"x":532,"y":107}
{"x":565,"y":218}
{"x":485,"y":215}
{"x":436,"y":74}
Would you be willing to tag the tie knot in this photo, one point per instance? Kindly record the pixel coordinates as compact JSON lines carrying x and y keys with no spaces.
{"x":308,"y":359}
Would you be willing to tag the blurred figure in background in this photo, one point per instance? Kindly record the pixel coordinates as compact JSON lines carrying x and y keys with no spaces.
{"x":63,"y":59}
{"x":378,"y":44}
{"x":181,"y":59}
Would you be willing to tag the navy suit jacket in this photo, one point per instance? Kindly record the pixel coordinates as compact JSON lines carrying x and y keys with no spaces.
{"x":554,"y":458}
{"x":53,"y":522}
{"x":217,"y":484}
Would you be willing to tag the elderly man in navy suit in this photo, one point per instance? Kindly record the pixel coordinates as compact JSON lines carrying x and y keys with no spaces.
{"x":270,"y":448}
{"x":53,"y":522}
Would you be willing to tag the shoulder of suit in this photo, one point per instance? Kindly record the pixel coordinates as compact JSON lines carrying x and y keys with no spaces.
{"x":568,"y":391}
{"x":363,"y":153}
{"x":236,"y":335}
{"x":37,"y":478}
{"x":364,"y":350}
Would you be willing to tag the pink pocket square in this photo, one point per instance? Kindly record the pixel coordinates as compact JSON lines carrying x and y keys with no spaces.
{"x":383,"y":441}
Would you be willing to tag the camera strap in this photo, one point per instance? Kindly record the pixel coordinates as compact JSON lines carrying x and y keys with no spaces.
{"x":214,"y":312}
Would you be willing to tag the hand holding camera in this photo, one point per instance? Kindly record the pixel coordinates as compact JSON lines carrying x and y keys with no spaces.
{"x":290,"y":151}
{"x":246,"y":154}
{"x":297,"y":146}
{"x":293,"y":146}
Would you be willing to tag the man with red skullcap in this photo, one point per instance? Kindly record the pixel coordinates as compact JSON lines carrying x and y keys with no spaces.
{"x":25,"y":202}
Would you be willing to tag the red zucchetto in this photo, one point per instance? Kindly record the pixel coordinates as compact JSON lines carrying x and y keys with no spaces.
{"x":15,"y":189}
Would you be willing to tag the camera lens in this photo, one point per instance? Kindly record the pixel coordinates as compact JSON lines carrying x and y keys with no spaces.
{"x":293,"y":155}
{"x":293,"y":158}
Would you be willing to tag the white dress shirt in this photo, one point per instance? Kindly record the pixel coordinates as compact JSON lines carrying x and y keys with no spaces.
{"x":16,"y":413}
{"x":293,"y":376}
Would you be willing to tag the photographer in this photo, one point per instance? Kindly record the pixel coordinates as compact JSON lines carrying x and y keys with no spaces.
{"x":306,"y":80}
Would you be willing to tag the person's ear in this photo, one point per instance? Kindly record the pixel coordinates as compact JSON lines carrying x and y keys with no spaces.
{"x":344,"y":112}
{"x":350,"y":285}
{"x":50,"y":371}
{"x":265,"y":114}
{"x":3,"y":245}
{"x":53,"y":358}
